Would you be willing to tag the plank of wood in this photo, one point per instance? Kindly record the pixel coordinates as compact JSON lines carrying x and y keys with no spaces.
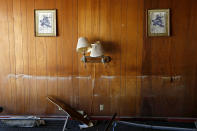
{"x":5,"y":89}
{"x":51,"y":62}
{"x":84,"y":76}
{"x":99,"y":29}
{"x":139,"y":54}
{"x":12,"y":80}
{"x":73,"y":114}
{"x":115,"y":38}
{"x":18,"y":55}
{"x":75,"y":62}
{"x":130,"y":53}
{"x":41,"y":66}
{"x":25,"y":51}
{"x":64,"y":56}
{"x":33,"y":103}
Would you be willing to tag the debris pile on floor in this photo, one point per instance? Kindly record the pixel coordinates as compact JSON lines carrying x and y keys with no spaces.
{"x":29,"y":121}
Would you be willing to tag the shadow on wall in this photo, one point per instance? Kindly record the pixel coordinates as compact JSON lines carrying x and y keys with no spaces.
{"x":111,"y":47}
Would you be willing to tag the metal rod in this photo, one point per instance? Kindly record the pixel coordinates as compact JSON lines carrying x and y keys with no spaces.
{"x":157,"y":127}
{"x":110,"y":122}
{"x":65,"y":123}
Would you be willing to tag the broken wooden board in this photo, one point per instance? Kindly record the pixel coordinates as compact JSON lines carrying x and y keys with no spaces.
{"x":73,"y":114}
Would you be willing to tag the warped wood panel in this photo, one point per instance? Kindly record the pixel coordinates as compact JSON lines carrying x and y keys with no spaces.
{"x":146,"y":77}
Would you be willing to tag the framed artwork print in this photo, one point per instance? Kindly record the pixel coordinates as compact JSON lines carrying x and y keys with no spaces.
{"x":158,"y":22}
{"x":45,"y":22}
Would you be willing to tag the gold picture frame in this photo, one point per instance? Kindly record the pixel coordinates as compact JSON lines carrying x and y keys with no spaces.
{"x":158,"y":22}
{"x":45,"y":22}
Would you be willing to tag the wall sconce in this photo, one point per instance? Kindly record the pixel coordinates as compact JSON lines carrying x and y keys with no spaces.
{"x":95,"y":49}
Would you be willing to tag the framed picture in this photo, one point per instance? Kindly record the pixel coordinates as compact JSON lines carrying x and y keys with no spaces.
{"x":158,"y":22}
{"x":45,"y":22}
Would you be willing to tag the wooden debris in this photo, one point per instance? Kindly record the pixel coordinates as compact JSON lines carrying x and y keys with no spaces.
{"x":73,"y":114}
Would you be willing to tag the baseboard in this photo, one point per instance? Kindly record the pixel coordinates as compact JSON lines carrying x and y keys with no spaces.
{"x":122,"y":118}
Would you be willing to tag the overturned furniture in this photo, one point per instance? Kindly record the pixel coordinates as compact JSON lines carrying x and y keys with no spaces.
{"x":70,"y":112}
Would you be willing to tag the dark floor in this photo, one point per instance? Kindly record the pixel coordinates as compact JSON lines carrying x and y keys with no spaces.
{"x":57,"y":125}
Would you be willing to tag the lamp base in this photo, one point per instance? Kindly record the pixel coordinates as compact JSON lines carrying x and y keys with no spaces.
{"x":101,"y":59}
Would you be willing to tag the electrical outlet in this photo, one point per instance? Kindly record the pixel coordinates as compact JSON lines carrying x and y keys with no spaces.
{"x":101,"y":107}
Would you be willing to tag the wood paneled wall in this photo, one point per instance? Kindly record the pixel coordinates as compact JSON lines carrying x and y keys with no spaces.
{"x":171,"y":63}
{"x":147,"y":76}
{"x":34,"y":67}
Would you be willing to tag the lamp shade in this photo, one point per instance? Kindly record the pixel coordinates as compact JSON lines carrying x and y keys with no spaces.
{"x":97,"y":49}
{"x":83,"y":45}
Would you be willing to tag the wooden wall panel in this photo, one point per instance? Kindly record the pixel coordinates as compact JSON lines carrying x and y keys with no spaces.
{"x":33,"y":103}
{"x":139,"y":53}
{"x":41,"y":65}
{"x":5,"y":63}
{"x":85,"y":71}
{"x":115,"y":39}
{"x":25,"y":54}
{"x":146,"y":77}
{"x":64,"y":56}
{"x":101,"y":88}
{"x":131,"y":58}
{"x":51,"y":50}
{"x":12,"y":81}
{"x":17,"y":12}
{"x":169,"y":63}
{"x":75,"y":60}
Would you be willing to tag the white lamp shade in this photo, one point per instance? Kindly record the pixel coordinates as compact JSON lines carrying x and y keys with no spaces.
{"x":82,"y":45}
{"x":97,"y":49}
